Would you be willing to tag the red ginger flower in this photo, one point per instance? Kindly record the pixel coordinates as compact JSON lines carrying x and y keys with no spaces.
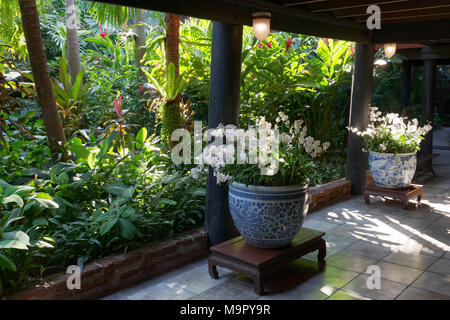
{"x":118,"y":106}
{"x":325,"y":40}
{"x":102,"y":34}
{"x":269,"y":44}
{"x":141,"y":88}
{"x":288,"y":44}
{"x":352,"y":50}
{"x":260,"y":45}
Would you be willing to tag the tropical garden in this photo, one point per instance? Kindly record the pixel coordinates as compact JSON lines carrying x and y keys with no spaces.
{"x":85,"y":167}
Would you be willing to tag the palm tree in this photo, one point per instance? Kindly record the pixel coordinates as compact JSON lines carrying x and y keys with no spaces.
{"x":139,"y":38}
{"x":117,"y":16}
{"x":171,"y":111}
{"x":38,"y":61}
{"x":73,"y":48}
{"x":11,"y":32}
{"x":172,"y":42}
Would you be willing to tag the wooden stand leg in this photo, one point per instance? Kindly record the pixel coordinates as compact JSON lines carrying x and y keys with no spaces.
{"x":259,"y":285}
{"x":366,"y":198}
{"x":322,"y":251}
{"x":405,"y":203}
{"x":419,"y":198}
{"x":212,"y":270}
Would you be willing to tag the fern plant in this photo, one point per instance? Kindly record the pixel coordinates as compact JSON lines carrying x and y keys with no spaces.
{"x":171,"y":117}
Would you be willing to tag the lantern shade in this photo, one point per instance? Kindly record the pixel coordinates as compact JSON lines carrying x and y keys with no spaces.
{"x":380,"y":62}
{"x":261,"y":25}
{"x":389,"y":49}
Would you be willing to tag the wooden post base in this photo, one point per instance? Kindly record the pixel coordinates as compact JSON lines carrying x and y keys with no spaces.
{"x":258,"y":263}
{"x":403,"y":194}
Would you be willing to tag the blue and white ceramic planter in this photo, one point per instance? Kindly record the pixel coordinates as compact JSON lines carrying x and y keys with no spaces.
{"x":268,"y":217}
{"x":391,"y":170}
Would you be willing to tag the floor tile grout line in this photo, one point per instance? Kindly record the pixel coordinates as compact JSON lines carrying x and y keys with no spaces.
{"x":363,"y":273}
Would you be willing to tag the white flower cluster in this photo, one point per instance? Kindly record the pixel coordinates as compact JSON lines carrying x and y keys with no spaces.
{"x":392,"y":127}
{"x":298,"y":131}
{"x":257,"y":149}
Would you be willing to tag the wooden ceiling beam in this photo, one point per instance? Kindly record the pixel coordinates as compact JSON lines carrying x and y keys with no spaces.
{"x":413,"y":32}
{"x":240,"y":12}
{"x":298,"y":3}
{"x":410,"y":18}
{"x":326,"y":7}
{"x":413,"y":6}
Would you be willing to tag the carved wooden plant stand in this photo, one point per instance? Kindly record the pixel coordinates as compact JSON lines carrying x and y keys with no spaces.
{"x":258,"y":263}
{"x":403,"y":194}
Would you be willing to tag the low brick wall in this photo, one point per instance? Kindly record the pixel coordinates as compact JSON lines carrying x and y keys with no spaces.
{"x":109,"y":274}
{"x":328,"y":194}
{"x":112,"y":273}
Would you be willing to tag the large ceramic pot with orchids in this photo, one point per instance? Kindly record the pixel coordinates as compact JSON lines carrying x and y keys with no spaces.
{"x":392,"y":142}
{"x":267,"y":171}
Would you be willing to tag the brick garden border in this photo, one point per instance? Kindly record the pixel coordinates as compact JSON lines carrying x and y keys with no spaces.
{"x":110,"y":274}
{"x":328,"y":194}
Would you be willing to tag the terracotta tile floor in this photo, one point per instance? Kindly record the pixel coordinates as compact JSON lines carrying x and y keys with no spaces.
{"x":411,"y":248}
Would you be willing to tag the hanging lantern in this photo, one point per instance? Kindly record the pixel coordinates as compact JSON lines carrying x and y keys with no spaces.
{"x":261,"y":25}
{"x":389,"y":49}
{"x":380,"y":62}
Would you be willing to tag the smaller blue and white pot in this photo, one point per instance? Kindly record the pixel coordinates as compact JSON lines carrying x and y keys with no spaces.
{"x":268,"y":217}
{"x":391,"y":170}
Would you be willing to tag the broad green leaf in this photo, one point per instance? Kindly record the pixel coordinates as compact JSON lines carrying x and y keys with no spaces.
{"x":77,"y":85}
{"x":127,"y":229}
{"x":126,"y":211}
{"x":140,"y":137}
{"x":43,"y":244}
{"x":80,"y":151}
{"x":107,"y":226}
{"x":15,"y":240}
{"x":43,"y":195}
{"x":128,"y":193}
{"x":165,"y":201}
{"x":17,"y":235}
{"x":49,"y":204}
{"x":10,"y":220}
{"x":116,"y":188}
{"x":63,"y":178}
{"x":19,"y":190}
{"x":12,"y":244}
{"x":14,"y":198}
{"x":91,"y":160}
{"x":41,"y":221}
{"x":7,"y":263}
{"x":4,"y":184}
{"x":104,"y":216}
{"x":106,"y":145}
{"x":199,"y":192}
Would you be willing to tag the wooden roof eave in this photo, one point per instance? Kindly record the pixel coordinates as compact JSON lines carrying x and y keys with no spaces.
{"x":240,"y":11}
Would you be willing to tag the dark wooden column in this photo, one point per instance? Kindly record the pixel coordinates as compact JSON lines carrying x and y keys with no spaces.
{"x":429,"y":83}
{"x":406,"y":84}
{"x":224,"y":108}
{"x":359,"y":106}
